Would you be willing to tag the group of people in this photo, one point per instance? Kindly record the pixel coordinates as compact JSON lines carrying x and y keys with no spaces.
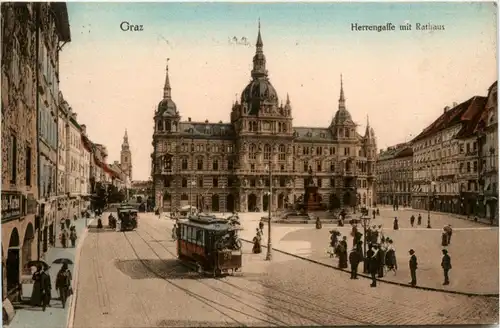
{"x":68,"y":232}
{"x":42,"y":286}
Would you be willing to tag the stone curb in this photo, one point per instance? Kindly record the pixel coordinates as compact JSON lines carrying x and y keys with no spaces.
{"x":72,"y":306}
{"x":378,"y":279}
{"x":482,"y":221}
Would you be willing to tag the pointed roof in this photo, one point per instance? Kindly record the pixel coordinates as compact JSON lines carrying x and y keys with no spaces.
{"x":368,"y":130}
{"x":259,"y":43}
{"x":342,"y":116}
{"x":167,"y":89}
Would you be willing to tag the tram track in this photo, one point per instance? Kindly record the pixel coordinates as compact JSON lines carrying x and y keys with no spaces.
{"x":315,"y":311}
{"x":206,"y":301}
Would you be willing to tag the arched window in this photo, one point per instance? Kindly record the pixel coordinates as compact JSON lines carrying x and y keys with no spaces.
{"x":159,"y":125}
{"x":184,"y":164}
{"x":215,"y":165}
{"x":184,"y":183}
{"x":282,"y":152}
{"x":253,"y":152}
{"x":267,"y":151}
{"x":168,"y":125}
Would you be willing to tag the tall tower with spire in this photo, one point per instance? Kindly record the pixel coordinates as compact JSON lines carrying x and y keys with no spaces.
{"x":126,"y":157}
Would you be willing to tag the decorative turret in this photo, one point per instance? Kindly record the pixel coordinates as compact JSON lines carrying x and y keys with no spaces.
{"x":259,"y":92}
{"x":342,"y":116}
{"x":125,"y":145}
{"x":167,"y":106}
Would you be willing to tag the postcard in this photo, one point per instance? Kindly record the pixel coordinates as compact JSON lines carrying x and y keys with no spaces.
{"x":183,"y":164}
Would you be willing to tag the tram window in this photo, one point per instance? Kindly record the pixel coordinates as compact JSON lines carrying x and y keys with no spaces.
{"x":200,"y":237}
{"x":184,"y":232}
{"x":192,"y":235}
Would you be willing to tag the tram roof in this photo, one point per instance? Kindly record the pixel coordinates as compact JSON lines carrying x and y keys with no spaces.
{"x":208,"y":222}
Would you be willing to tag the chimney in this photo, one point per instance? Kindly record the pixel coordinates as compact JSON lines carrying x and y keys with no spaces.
{"x":189,"y":119}
{"x":455,"y":104}
{"x":84,"y":129}
{"x":447,"y":108}
{"x":206,"y":121}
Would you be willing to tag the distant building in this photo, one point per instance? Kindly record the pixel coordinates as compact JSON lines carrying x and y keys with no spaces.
{"x":224,"y":166}
{"x":126,"y":157}
{"x":395,"y":175}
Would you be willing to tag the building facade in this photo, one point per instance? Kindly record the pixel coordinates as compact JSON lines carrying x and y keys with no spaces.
{"x":395,"y":175}
{"x":85,"y":190}
{"x":445,"y":168}
{"x":74,"y":167}
{"x":63,"y":199}
{"x":225,"y":166}
{"x":488,"y":151}
{"x":29,"y":92}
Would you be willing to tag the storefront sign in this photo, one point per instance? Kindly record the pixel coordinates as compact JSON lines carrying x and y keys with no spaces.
{"x":11,"y":206}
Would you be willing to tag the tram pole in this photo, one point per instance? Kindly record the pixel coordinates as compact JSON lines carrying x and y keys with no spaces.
{"x":269,"y":255}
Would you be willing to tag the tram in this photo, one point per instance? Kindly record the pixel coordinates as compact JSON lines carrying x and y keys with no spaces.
{"x":210,"y":243}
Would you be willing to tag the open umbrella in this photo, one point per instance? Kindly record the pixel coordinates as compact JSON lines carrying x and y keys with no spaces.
{"x":36,"y":263}
{"x":63,"y":261}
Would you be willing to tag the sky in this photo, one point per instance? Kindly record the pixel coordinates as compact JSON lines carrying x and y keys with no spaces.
{"x":401,"y":80}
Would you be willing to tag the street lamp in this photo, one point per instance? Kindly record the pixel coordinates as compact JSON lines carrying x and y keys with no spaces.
{"x":365,"y":219}
{"x":431,"y":184}
{"x":224,"y":202}
{"x":270,"y":193}
{"x":192,"y":184}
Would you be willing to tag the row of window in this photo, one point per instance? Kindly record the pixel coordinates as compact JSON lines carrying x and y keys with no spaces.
{"x":48,"y":125}
{"x":192,"y":234}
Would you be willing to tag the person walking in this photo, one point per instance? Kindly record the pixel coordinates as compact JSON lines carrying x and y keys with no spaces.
{"x":395,"y":224}
{"x":63,"y":237}
{"x":374,"y":264}
{"x":412,"y":220}
{"x":36,"y":294}
{"x":419,"y":219}
{"x":354,"y":258}
{"x":46,"y":286}
{"x":63,"y":284}
{"x":68,"y":223}
{"x":413,"y":268}
{"x":72,"y":236}
{"x":446,"y":265}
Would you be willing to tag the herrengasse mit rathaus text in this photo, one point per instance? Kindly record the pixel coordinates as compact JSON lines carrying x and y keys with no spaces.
{"x":224,"y":166}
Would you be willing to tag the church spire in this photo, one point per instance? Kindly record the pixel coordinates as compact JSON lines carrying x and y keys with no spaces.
{"x":367,"y":131}
{"x":342,"y":97}
{"x":259,"y":60}
{"x":125,"y":141}
{"x":166,"y":89}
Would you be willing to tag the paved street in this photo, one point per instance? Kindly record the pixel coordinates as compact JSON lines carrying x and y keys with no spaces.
{"x":132,"y":280}
{"x":474,"y":250}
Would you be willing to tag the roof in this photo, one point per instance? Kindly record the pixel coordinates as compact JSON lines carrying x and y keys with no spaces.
{"x":450,"y":117}
{"x":62,"y":21}
{"x":472,"y":117}
{"x":312,"y":134}
{"x":75,"y":123}
{"x":207,"y":222}
{"x":397,"y":151}
{"x":207,"y":130}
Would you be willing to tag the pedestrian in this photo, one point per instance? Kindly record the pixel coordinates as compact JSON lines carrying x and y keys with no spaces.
{"x":444,"y":237}
{"x":46,"y":288}
{"x":63,"y":284}
{"x":36,"y":294}
{"x":342,"y":253}
{"x":446,"y":265}
{"x":390,"y":257}
{"x":72,"y":236}
{"x":412,"y":220}
{"x":68,"y":223}
{"x":62,"y":224}
{"x":413,"y":268}
{"x":419,"y":219}
{"x":381,"y":260}
{"x":374,"y":212}
{"x":395,"y":225}
{"x":63,"y":237}
{"x":374,"y":261}
{"x":449,"y":231}
{"x":354,"y":258}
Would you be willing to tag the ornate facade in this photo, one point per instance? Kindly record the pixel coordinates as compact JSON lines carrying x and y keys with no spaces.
{"x":225,"y":166}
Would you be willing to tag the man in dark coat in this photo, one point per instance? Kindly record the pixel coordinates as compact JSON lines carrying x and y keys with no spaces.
{"x":46,"y":289}
{"x":413,"y":268}
{"x":374,"y":265}
{"x":354,"y":258}
{"x":419,"y":220}
{"x":412,"y":220}
{"x":446,"y":265}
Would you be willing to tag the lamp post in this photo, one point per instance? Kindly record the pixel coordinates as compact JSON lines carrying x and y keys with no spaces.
{"x":431,"y":184}
{"x":192,"y":183}
{"x":269,"y":242}
{"x":365,"y":220}
{"x":224,"y":202}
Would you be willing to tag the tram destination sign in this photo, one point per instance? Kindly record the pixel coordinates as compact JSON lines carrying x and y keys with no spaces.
{"x":11,"y":206}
